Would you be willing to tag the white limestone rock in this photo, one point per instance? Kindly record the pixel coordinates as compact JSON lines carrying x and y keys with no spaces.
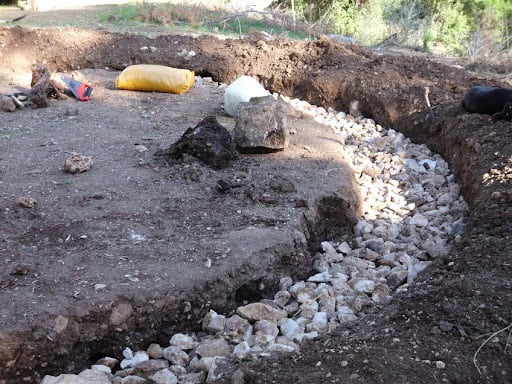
{"x":183,"y":341}
{"x":259,"y":311}
{"x":164,"y":376}
{"x":212,"y":347}
{"x":175,"y":355}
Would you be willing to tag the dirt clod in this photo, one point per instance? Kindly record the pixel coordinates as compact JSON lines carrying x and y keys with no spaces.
{"x":27,"y":202}
{"x":208,"y":141}
{"x":77,"y":163}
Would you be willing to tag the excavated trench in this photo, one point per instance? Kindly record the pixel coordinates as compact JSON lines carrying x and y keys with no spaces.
{"x":390,"y":90}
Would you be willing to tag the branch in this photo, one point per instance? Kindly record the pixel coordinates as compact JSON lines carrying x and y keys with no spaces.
{"x":244,"y":13}
{"x":487,"y":340}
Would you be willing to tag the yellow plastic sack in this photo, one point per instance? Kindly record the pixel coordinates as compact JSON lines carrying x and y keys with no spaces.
{"x":155,"y":78}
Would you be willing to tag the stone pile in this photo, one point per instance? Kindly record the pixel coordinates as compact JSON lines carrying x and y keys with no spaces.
{"x":412,"y":211}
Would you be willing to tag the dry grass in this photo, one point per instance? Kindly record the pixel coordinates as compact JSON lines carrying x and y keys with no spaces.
{"x":491,"y":337}
{"x":201,"y":16}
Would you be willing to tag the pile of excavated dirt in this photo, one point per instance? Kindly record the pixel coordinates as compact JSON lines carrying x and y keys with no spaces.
{"x":132,"y":220}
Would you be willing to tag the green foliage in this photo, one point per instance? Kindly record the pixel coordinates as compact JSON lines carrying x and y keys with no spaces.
{"x":195,"y":18}
{"x":343,"y":17}
{"x":246,"y":25}
{"x":452,"y":26}
{"x":408,"y":20}
{"x":449,"y":24}
{"x":120,"y":14}
{"x":372,"y":26}
{"x":428,"y":37}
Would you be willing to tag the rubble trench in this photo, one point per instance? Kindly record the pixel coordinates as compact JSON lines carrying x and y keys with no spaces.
{"x":313,"y":89}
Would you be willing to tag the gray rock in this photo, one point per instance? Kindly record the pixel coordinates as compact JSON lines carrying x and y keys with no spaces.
{"x":155,"y":351}
{"x":134,"y":380}
{"x":345,"y":314}
{"x":267,"y":327}
{"x":237,"y":329}
{"x":344,"y":248}
{"x":308,"y":309}
{"x":310,"y":335}
{"x":330,"y":254}
{"x":108,"y":361}
{"x":213,"y":347}
{"x":436,"y":247}
{"x":48,"y":379}
{"x":306,"y":295}
{"x":320,"y":265}
{"x":290,"y":328}
{"x":192,"y":378}
{"x":128,"y":353}
{"x":414,"y":268}
{"x":419,"y":220}
{"x":175,"y":355}
{"x":64,"y":379}
{"x":380,"y":298}
{"x":291,"y":343}
{"x":397,"y":277}
{"x":374,"y":245}
{"x":178,"y":370}
{"x":281,"y":348}
{"x":260,"y":338}
{"x":183,"y":341}
{"x":121,"y":312}
{"x":125,"y":372}
{"x":285,"y":283}
{"x":383,"y":271}
{"x":163,"y":376}
{"x":361,"y":302}
{"x":363,"y":285}
{"x":323,"y":277}
{"x":261,"y":124}
{"x":341,"y":286}
{"x":7,"y":104}
{"x":138,"y":357}
{"x":201,"y":364}
{"x":296,"y":288}
{"x":220,"y":367}
{"x":149,"y":367}
{"x":282,"y":297}
{"x":319,"y":323}
{"x":92,"y":376}
{"x":292,"y":308}
{"x":102,"y":368}
{"x":445,"y":326}
{"x":458,"y":227}
{"x":259,"y":311}
{"x":327,"y":303}
{"x":362,"y":227}
{"x":242,"y":350}
{"x":216,"y":324}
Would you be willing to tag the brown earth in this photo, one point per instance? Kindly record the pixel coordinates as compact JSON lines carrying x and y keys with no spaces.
{"x":455,"y":305}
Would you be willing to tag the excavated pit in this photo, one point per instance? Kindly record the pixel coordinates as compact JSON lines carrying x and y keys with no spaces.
{"x":69,"y":332}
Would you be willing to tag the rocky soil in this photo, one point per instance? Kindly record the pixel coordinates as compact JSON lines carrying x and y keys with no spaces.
{"x":429,"y":331}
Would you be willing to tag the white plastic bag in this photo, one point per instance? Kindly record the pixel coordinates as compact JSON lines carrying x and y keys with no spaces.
{"x":242,"y":90}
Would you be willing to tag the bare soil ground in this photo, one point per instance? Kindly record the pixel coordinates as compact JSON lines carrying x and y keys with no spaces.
{"x":130,"y":219}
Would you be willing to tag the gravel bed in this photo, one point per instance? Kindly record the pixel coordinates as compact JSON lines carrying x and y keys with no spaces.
{"x":412,"y":211}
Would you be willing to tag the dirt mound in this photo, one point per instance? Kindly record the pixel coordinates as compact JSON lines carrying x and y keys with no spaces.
{"x":469,"y":289}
